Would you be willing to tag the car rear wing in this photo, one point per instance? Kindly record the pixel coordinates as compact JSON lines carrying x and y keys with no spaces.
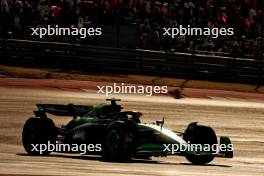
{"x":62,"y":110}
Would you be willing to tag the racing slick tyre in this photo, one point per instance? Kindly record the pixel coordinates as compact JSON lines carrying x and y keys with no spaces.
{"x":199,"y":134}
{"x":38,"y":131}
{"x":119,"y":142}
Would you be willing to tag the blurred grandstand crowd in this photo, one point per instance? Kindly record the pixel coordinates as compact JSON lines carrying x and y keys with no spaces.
{"x":18,"y":16}
{"x":245,"y":16}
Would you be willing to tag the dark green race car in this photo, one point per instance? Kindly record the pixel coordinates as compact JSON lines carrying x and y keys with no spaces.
{"x":120,"y":135}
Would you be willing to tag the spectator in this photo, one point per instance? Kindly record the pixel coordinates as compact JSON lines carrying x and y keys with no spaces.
{"x":188,"y":12}
{"x":44,"y":10}
{"x":4,"y":17}
{"x":18,"y":14}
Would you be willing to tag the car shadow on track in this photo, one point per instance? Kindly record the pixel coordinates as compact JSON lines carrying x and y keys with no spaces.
{"x":99,"y":158}
{"x":216,"y":165}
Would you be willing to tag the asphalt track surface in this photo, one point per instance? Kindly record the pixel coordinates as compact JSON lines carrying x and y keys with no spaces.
{"x":241,"y":120}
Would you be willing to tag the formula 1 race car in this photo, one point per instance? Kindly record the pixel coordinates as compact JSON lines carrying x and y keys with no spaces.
{"x":120,"y":134}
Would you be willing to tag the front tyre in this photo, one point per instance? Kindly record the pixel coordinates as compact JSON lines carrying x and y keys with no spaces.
{"x":199,"y":134}
{"x":38,"y":131}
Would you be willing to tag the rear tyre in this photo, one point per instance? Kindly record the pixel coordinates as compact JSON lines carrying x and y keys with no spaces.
{"x":119,"y":142}
{"x":38,"y":131}
{"x":199,"y":134}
